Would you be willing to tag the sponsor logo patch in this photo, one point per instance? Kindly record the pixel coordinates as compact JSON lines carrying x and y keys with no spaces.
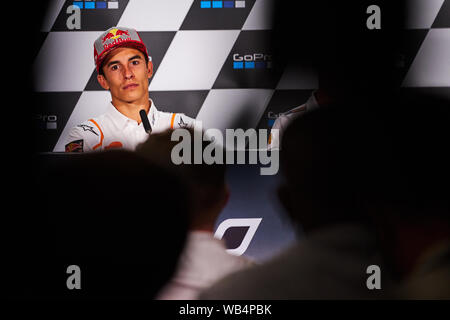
{"x":182,"y":124}
{"x":85,"y":127}
{"x":75,"y":146}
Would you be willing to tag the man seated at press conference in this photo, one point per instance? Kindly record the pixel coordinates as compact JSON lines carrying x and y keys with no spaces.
{"x":124,"y":68}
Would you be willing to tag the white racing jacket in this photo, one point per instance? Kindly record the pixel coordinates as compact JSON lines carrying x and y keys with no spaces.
{"x":114,"y":130}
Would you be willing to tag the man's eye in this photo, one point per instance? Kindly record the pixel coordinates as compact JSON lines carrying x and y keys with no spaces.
{"x":115,"y":67}
{"x":135,"y":62}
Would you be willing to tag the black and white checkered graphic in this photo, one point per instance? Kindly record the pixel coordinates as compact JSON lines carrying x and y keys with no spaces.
{"x":211,"y":61}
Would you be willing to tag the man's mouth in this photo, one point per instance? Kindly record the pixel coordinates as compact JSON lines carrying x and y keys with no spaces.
{"x":130,"y":86}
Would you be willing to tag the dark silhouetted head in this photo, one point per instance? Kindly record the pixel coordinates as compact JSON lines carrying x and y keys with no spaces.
{"x":122,"y":220}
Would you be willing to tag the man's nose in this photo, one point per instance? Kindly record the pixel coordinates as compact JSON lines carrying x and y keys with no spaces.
{"x":127,"y":73}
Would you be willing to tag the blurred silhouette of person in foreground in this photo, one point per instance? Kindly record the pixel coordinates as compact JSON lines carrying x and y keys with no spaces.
{"x":204,"y":259}
{"x":328,"y":152}
{"x":121,"y":220}
{"x":408,"y":191}
{"x":411,"y":206}
{"x":323,"y":167}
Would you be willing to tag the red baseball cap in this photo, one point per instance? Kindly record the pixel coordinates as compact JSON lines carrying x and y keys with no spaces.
{"x":116,"y":37}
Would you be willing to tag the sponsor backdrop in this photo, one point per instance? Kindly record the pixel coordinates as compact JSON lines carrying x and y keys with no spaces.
{"x":212,"y":61}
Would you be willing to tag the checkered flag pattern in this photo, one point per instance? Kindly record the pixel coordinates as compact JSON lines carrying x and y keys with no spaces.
{"x":211,"y":61}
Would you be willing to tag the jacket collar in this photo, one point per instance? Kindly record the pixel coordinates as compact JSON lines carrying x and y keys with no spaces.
{"x":121,"y":121}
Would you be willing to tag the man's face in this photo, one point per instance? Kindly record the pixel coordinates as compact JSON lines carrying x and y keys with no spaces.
{"x":126,"y":74}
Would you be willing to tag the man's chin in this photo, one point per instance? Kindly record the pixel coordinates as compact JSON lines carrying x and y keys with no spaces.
{"x":131,"y":98}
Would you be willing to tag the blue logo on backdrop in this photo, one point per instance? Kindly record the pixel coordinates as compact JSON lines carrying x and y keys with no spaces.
{"x":97,"y":4}
{"x":222,"y":4}
{"x":252,"y":61}
{"x":271,"y":117}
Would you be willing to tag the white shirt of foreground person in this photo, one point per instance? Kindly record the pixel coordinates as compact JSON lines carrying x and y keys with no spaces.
{"x":114,"y":130}
{"x":282,"y":122}
{"x":329,"y":263}
{"x":203,"y":262}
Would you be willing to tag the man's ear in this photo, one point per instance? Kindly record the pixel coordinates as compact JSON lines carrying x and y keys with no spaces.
{"x":103,"y":82}
{"x":150,"y":69}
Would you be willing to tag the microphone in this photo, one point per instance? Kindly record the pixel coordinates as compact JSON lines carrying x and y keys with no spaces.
{"x":145,"y":122}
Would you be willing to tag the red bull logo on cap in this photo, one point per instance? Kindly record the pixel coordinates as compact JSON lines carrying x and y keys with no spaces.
{"x":115,"y":36}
